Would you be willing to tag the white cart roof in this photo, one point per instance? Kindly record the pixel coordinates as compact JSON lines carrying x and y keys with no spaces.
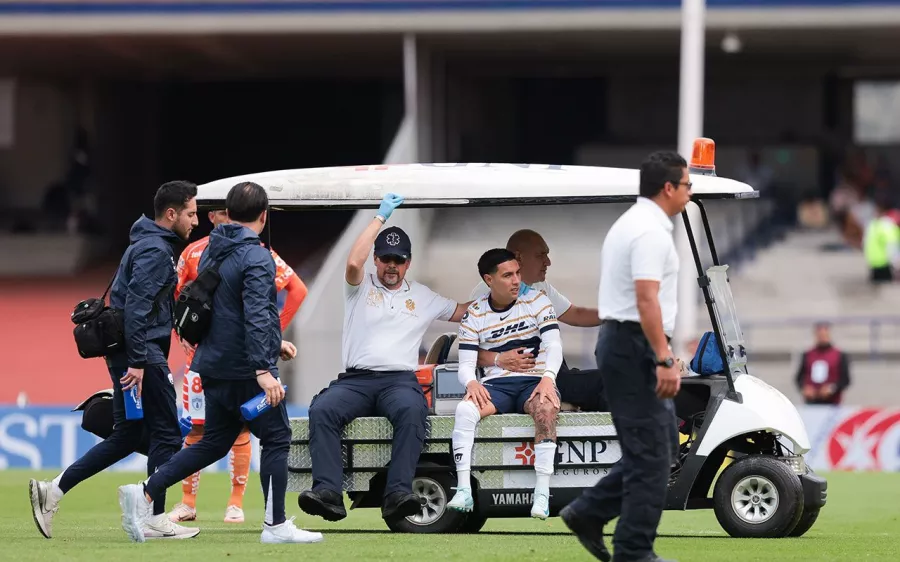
{"x":450,"y":184}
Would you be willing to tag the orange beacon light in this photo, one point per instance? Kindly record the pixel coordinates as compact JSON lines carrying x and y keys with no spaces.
{"x":703,"y":157}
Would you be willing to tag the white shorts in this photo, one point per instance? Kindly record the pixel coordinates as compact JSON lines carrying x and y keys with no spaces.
{"x":194,"y":402}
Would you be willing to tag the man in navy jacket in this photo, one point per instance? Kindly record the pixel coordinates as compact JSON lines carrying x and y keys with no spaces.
{"x":142,"y":291}
{"x":235,"y":359}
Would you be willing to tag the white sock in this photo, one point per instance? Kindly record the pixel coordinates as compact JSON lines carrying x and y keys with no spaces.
{"x":467,"y":418}
{"x":544,"y":453}
{"x":463,"y":479}
{"x":55,"y":491}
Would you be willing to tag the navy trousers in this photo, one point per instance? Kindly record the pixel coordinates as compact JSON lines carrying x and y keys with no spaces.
{"x":159,"y":427}
{"x":222,"y":426}
{"x":635,"y":487}
{"x":394,"y":395}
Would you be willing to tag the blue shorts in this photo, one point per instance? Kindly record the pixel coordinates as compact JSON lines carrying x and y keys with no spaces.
{"x":509,"y":394}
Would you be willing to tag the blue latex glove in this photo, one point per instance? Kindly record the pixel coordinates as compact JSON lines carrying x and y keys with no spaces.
{"x":390,"y":202}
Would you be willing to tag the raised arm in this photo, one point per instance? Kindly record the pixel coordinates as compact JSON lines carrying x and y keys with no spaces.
{"x":356,"y":261}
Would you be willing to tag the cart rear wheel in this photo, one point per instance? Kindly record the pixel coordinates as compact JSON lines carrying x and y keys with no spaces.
{"x":436,"y":488}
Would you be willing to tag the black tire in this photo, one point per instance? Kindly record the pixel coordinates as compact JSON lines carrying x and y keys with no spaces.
{"x":807,"y":520}
{"x":474,"y":522}
{"x":772,"y":487}
{"x":435,"y":517}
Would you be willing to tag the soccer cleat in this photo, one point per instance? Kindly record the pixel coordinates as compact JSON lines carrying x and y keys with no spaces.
{"x":44,"y":505}
{"x":541,"y":507}
{"x":160,"y":527}
{"x":234,"y":514}
{"x":182,"y":512}
{"x":462,"y":500}
{"x":136,"y":511}
{"x":287,"y":532}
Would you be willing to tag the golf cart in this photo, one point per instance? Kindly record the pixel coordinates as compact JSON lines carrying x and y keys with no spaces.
{"x":742,"y":440}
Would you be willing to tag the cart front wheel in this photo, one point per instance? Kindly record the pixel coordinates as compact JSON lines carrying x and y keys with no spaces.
{"x":758,"y":496}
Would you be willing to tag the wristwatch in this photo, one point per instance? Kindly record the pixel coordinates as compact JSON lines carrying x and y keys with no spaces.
{"x":668,"y":362}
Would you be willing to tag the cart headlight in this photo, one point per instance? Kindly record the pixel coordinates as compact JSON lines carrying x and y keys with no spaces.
{"x":797,"y":463}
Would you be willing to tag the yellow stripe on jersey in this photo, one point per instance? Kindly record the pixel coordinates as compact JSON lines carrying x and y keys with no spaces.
{"x":537,"y":295}
{"x":470,"y":330}
{"x":539,"y":312}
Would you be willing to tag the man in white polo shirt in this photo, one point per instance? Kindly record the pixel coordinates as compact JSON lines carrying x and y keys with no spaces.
{"x":638,"y":304}
{"x":385,"y":318}
{"x":583,"y":389}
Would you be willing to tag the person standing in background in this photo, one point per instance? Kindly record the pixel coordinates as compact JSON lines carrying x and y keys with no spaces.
{"x":824,"y":371}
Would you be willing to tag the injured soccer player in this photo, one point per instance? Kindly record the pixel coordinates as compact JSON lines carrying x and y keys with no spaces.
{"x":500,"y":320}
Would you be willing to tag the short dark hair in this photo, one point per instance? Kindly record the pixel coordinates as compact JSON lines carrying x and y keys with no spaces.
{"x":657,"y":169}
{"x":246,"y":201}
{"x":173,"y":195}
{"x":488,"y":262}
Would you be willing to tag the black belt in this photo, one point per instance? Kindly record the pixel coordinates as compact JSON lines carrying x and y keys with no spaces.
{"x":354,"y":371}
{"x":628,"y":325}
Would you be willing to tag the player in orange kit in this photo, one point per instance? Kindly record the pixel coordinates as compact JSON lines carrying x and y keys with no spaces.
{"x":192,"y":388}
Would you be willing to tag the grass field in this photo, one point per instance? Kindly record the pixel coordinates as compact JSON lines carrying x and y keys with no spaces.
{"x":860,"y":522}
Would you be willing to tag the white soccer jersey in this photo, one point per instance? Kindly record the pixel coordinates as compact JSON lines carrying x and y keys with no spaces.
{"x":529,"y":321}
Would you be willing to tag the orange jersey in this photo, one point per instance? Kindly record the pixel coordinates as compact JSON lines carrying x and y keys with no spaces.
{"x":190,"y":259}
{"x":285,"y":278}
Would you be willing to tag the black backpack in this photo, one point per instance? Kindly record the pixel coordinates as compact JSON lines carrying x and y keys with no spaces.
{"x":99,"y":329}
{"x":193,"y":309}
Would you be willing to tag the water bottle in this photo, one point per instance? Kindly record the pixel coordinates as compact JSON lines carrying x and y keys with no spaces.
{"x":256,"y":405}
{"x":185,"y":424}
{"x":133,"y":408}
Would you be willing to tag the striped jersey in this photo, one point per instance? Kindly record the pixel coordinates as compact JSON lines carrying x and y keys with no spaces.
{"x":529,"y":322}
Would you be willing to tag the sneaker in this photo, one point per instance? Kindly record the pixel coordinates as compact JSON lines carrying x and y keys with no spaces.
{"x":160,"y":527}
{"x":136,"y":510}
{"x":234,"y":514}
{"x":541,"y":507}
{"x":182,"y":512}
{"x":44,"y":504}
{"x":287,"y":532}
{"x":462,"y":500}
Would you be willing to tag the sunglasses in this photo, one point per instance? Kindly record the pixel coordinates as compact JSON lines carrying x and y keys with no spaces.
{"x":396,"y":260}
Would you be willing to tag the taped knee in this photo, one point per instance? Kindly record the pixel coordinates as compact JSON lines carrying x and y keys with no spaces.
{"x":467,"y":416}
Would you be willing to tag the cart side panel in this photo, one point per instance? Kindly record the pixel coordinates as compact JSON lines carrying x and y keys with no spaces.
{"x":503,"y":447}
